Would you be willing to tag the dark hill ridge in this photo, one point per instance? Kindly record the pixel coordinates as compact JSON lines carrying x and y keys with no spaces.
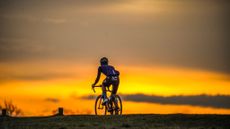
{"x":138,"y":121}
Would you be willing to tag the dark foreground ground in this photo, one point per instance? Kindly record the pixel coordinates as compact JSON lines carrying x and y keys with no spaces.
{"x":172,"y":121}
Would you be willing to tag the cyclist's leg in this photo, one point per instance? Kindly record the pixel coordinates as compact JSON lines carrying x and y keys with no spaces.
{"x":105,"y":83}
{"x":103,"y":91}
{"x":115,"y":85}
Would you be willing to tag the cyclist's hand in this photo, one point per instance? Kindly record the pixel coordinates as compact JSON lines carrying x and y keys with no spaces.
{"x":93,"y":85}
{"x":93,"y":88}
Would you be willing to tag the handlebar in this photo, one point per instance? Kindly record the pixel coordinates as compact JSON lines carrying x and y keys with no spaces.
{"x":107,"y":88}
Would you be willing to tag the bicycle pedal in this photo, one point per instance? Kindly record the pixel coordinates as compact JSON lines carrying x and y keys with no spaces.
{"x":110,"y":110}
{"x":117,"y":109}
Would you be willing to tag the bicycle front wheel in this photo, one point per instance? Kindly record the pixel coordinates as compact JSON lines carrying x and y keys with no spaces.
{"x":99,"y":108}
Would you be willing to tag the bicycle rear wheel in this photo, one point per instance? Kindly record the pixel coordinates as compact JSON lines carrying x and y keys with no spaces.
{"x":99,"y":108}
{"x":116,"y":106}
{"x":119,"y":104}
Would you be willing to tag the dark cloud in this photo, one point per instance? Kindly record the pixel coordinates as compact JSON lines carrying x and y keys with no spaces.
{"x":20,"y":49}
{"x":34,"y":77}
{"x":189,"y":33}
{"x":215,"y":101}
{"x":53,"y":100}
{"x":88,"y":97}
{"x":50,"y":3}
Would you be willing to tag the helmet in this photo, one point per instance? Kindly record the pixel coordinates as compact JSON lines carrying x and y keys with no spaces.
{"x":104,"y":61}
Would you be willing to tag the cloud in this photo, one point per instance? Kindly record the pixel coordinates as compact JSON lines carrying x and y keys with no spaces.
{"x":53,"y":100}
{"x":90,"y":97}
{"x":215,"y":101}
{"x":55,"y":20}
{"x":4,"y":77}
{"x":30,"y":18}
{"x":15,"y":49}
{"x":176,"y":37}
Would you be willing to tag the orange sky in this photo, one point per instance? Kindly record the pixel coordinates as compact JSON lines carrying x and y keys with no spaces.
{"x":31,"y":95}
{"x":172,"y":53}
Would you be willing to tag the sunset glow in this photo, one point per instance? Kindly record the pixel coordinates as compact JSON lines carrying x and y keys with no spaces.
{"x":35,"y":97}
{"x":173,"y":56}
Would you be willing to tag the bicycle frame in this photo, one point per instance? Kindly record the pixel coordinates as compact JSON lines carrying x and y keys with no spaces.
{"x":110,"y":102}
{"x":107,"y":88}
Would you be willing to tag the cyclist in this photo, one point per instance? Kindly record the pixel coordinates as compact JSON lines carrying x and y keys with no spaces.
{"x":112,"y":78}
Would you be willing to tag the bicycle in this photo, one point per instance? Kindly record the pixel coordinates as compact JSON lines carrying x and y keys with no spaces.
{"x":111,"y":104}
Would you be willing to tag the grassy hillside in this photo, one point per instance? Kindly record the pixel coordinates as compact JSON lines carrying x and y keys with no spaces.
{"x":172,"y":121}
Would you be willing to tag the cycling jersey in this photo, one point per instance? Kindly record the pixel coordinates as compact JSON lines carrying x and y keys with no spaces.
{"x":108,"y":71}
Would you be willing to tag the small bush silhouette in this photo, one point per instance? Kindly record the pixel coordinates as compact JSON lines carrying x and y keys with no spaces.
{"x":11,"y":108}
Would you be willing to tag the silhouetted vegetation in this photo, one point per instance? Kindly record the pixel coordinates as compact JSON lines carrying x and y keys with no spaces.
{"x":11,"y":108}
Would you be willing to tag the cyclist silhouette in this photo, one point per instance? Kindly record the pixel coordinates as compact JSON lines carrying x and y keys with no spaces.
{"x":112,"y":78}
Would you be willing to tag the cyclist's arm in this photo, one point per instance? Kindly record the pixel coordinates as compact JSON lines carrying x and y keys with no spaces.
{"x":98,"y":76}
